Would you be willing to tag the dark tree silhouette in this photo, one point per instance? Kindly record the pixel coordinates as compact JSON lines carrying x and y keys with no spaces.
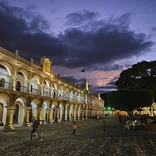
{"x":140,"y":76}
{"x":128,"y":100}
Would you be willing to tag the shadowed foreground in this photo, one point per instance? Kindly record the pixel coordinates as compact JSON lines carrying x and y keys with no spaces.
{"x":90,"y":140}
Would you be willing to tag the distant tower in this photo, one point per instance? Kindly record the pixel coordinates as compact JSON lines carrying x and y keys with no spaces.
{"x":45,"y":64}
{"x":85,"y":85}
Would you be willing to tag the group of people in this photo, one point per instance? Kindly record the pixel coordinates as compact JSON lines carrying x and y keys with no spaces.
{"x":39,"y":133}
{"x":39,"y":125}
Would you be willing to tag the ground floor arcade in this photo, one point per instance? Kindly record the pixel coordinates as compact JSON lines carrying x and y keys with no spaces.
{"x":20,"y":110}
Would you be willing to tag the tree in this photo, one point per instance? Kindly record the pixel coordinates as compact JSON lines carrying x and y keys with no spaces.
{"x":128,"y":100}
{"x":140,"y":76}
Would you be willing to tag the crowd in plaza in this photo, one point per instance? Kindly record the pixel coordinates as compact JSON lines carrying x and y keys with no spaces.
{"x":136,"y":122}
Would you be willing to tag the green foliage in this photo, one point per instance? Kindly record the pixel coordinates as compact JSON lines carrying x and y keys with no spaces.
{"x":140,"y":76}
{"x":130,"y":99}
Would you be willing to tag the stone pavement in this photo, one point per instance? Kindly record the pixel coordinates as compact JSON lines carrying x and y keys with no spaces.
{"x":90,"y":140}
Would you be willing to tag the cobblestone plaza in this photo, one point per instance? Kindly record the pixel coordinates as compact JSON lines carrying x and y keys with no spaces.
{"x":90,"y":140}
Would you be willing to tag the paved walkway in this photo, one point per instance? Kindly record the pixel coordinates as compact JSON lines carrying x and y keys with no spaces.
{"x":90,"y":140}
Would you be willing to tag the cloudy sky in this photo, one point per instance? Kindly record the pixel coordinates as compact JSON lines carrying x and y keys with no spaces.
{"x":101,"y":36}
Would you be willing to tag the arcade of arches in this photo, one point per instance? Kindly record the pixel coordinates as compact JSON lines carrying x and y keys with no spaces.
{"x":28,"y":90}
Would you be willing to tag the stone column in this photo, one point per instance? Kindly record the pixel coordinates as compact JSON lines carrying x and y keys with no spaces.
{"x":86,"y":113}
{"x":39,"y":111}
{"x":51,"y":92}
{"x":10,"y":112}
{"x":29,"y":87}
{"x":68,"y":110}
{"x":41,"y":89}
{"x":58,"y":114}
{"x":27,"y":116}
{"x":50,"y":115}
{"x":63,"y":115}
{"x":13,"y":82}
{"x":77,"y":114}
{"x":82,"y":114}
{"x":74,"y":113}
{"x":52,"y":118}
{"x":66,"y":114}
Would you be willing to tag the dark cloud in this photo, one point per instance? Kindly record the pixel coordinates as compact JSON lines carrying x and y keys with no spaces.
{"x":103,"y":46}
{"x":96,"y":44}
{"x":74,"y":79}
{"x":25,"y":30}
{"x":109,"y":67}
{"x":102,"y":89}
{"x":81,"y":18}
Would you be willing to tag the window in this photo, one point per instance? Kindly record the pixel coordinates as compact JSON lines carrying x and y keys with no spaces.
{"x":2,"y":82}
{"x":18,"y":86}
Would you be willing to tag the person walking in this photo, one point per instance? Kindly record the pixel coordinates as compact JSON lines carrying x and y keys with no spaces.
{"x":74,"y":128}
{"x":34,"y":129}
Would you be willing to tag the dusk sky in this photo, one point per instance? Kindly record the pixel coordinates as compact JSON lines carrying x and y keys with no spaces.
{"x":103,"y":37}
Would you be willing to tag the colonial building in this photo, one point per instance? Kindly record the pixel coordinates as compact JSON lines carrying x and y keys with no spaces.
{"x":28,"y":90}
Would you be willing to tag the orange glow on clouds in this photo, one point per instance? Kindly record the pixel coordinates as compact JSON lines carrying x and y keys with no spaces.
{"x":100,"y":78}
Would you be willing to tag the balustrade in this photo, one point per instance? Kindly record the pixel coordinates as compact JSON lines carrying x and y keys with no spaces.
{"x":35,"y":91}
{"x":46,"y":93}
{"x":64,"y":96}
{"x":24,"y":89}
{"x":6,"y":85}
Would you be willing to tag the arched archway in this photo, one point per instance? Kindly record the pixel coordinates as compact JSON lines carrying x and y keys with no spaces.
{"x":61,"y":92}
{"x":5,"y":79}
{"x":46,"y":88}
{"x":54,"y":113}
{"x":35,"y":85}
{"x":45,"y":111}
{"x":79,"y":113}
{"x":19,"y":111}
{"x":5,"y":68}
{"x":54,"y":91}
{"x":79,"y":97}
{"x":16,"y":114}
{"x":71,"y":113}
{"x":61,"y":111}
{"x":23,"y":76}
{"x":33,"y":112}
{"x":67,"y":94}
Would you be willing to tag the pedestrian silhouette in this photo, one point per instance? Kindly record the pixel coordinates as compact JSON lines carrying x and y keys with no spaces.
{"x":74,"y":128}
{"x":34,"y":129}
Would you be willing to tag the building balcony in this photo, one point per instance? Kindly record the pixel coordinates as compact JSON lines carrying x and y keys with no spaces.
{"x":6,"y":85}
{"x":45,"y":93}
{"x":35,"y":91}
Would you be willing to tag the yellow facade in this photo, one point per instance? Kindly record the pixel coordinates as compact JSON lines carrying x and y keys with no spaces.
{"x":28,"y":90}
